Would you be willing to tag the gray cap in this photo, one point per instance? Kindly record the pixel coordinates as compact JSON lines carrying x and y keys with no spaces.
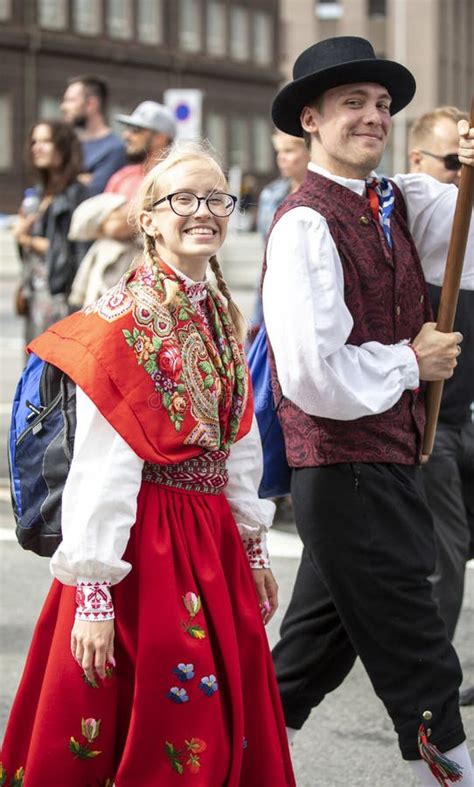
{"x":153,"y":116}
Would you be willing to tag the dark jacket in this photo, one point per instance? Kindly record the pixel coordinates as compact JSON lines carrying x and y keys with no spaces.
{"x":63,"y":256}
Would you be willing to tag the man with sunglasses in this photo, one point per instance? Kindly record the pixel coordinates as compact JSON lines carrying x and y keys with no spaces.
{"x":449,"y":474}
{"x":433,"y":144}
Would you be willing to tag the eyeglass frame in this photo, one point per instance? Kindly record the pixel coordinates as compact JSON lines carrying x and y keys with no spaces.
{"x":449,"y":156}
{"x":169,"y":197}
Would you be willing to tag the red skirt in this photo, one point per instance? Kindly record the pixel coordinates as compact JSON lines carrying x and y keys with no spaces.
{"x":193,"y":698}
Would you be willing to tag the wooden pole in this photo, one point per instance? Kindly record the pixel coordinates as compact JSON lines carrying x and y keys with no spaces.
{"x":450,"y":290}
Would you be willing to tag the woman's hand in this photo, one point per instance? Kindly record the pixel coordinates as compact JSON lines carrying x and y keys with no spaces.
{"x":267,"y":590}
{"x":92,"y":646}
{"x":22,"y":228}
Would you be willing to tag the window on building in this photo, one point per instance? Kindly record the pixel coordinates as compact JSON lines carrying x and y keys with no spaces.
{"x":150,"y":21}
{"x":49,"y":107}
{"x":216,"y":28}
{"x":5,"y":10}
{"x":239,"y":147}
{"x":87,"y":17}
{"x":328,"y":9}
{"x":262,"y":145}
{"x":6,"y":135}
{"x":377,"y":7}
{"x":119,"y":19}
{"x":190,"y":25}
{"x":52,"y":14}
{"x":216,"y":132}
{"x":239,"y":33}
{"x":262,"y":38}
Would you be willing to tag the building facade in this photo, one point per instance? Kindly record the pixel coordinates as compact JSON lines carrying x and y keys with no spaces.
{"x":227,"y":49}
{"x":433,"y":38}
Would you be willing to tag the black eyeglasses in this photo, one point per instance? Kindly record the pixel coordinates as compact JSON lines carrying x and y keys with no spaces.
{"x":451,"y":161}
{"x":185,"y":203}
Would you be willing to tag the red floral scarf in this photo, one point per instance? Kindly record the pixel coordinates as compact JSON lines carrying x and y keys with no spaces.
{"x":170,"y":382}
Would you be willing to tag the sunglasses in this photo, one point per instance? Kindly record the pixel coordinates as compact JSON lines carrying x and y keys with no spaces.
{"x":451,"y":161}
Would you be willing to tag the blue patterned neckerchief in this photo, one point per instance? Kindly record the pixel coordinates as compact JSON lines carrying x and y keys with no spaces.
{"x":383,"y":189}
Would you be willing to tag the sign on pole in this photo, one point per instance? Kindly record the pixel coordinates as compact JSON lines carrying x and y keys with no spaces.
{"x":186,"y":106}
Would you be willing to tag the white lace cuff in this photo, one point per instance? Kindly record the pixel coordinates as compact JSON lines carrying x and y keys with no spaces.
{"x":94,"y":601}
{"x":255,"y":545}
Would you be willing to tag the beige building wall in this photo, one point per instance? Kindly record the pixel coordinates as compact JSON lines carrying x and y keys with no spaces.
{"x":433,"y":38}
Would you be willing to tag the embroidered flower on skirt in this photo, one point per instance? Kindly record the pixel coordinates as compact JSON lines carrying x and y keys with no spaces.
{"x":94,"y":601}
{"x":209,"y":685}
{"x":178,"y":695}
{"x":184,"y":672}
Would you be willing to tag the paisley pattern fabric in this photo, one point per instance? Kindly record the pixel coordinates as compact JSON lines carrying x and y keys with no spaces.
{"x":385,"y":292}
{"x":137,"y":358}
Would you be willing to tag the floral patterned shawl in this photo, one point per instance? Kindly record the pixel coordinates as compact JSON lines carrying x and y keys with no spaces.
{"x":171,"y":383}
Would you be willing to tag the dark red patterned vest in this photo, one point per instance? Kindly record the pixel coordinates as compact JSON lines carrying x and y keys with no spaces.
{"x":386,"y":295}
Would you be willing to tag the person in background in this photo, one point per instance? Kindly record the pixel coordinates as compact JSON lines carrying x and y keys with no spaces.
{"x":292,"y":158}
{"x":433,"y":143}
{"x":248,"y":203}
{"x":107,"y":259}
{"x":150,"y":664}
{"x":449,"y":474}
{"x":50,"y":260}
{"x":148,"y":131}
{"x":84,"y":107}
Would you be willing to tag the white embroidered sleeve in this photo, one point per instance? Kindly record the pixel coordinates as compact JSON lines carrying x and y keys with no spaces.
{"x":93,"y":601}
{"x":308,"y":324}
{"x":253,"y":515}
{"x":99,"y":504}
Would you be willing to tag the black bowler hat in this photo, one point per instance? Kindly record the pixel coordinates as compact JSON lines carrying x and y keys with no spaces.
{"x":338,"y":61}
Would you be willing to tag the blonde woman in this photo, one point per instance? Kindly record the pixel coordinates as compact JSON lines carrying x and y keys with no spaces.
{"x":150,"y":665}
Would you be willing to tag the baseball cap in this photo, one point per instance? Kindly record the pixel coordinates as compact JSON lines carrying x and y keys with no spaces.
{"x":152,"y":116}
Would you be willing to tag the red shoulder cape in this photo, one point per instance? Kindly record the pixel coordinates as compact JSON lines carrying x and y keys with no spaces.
{"x":167,"y":385}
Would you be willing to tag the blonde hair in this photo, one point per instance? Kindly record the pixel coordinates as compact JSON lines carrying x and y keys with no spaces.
{"x":424,"y":125}
{"x":150,"y":191}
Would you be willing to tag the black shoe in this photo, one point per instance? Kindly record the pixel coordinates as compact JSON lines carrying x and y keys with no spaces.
{"x":466,"y":696}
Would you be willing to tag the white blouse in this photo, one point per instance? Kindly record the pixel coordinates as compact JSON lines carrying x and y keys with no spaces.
{"x":308,"y":322}
{"x":99,"y":501}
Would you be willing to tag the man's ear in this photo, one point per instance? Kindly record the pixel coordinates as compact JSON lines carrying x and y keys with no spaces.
{"x":308,"y":119}
{"x":93,"y":103}
{"x":414,"y":158}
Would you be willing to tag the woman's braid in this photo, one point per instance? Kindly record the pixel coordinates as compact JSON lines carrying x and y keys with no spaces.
{"x":149,"y":248}
{"x":171,"y":287}
{"x":239,"y":322}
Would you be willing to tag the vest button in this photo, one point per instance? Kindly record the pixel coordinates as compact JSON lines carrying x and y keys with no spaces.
{"x":422,"y":298}
{"x":364,"y":220}
{"x":397,"y":311}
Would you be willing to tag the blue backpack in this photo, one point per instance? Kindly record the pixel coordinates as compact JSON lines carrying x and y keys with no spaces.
{"x":276,"y":472}
{"x":40,"y":450}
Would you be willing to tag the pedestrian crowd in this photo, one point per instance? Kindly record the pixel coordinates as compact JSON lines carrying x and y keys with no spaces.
{"x":154,"y":627}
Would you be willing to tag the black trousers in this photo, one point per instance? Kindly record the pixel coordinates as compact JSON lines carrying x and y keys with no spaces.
{"x":449,"y":485}
{"x":362,"y":589}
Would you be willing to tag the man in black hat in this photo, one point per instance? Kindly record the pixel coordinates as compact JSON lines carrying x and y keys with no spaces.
{"x":352,"y":336}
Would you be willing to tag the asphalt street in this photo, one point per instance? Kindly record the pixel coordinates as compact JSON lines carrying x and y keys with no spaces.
{"x":348,"y":741}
